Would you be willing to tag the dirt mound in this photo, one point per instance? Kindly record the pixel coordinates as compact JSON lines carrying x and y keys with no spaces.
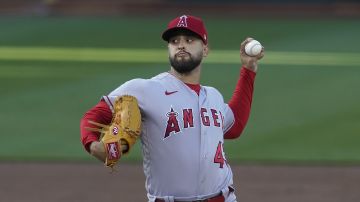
{"x":92,"y":183}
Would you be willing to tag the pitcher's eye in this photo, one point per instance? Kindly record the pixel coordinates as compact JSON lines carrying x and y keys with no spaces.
{"x":174,"y":41}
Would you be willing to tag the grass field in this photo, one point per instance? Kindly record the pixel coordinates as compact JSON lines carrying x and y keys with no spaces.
{"x":306,"y":102}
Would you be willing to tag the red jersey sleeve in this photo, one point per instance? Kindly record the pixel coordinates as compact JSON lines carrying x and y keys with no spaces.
{"x":100,"y":113}
{"x":240,"y":102}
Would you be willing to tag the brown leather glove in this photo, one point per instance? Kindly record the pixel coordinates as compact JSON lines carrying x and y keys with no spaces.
{"x":123,"y":131}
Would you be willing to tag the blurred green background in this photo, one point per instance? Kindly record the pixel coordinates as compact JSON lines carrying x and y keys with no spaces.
{"x":305,"y":107}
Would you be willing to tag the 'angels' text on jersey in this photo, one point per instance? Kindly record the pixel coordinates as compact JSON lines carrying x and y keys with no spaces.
{"x":209,"y":117}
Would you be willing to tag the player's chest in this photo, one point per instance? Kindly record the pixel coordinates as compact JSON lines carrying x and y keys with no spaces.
{"x":176,"y":111}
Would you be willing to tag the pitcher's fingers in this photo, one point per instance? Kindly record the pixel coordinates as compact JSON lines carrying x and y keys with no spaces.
{"x":262,"y":53}
{"x":243,"y":44}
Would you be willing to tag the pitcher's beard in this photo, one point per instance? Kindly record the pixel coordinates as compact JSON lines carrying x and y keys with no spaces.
{"x":185,"y":65}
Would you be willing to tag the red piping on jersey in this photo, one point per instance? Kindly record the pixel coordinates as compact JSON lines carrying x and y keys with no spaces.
{"x":240,"y":102}
{"x":100,"y":113}
{"x":109,"y":101}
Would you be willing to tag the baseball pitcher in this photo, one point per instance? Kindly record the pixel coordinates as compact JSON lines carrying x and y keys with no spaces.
{"x":181,"y":124}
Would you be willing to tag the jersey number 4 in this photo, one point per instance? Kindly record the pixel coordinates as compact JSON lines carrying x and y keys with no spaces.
{"x":219,"y":157}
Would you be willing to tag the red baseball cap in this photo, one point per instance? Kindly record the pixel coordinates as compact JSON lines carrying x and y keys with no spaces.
{"x":186,"y":22}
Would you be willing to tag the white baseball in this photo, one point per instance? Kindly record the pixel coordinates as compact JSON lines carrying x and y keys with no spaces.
{"x":253,"y":48}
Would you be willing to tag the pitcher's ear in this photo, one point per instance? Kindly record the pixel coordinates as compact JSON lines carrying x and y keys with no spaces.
{"x":205,"y":50}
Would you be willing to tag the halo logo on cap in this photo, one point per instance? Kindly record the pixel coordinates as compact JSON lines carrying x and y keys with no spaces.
{"x":187,"y":22}
{"x":182,"y":21}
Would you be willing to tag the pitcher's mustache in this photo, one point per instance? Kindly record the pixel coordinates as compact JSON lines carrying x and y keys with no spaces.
{"x":182,"y":52}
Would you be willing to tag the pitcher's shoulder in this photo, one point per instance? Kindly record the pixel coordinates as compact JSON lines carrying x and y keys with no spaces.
{"x":212,"y":91}
{"x":161,"y":76}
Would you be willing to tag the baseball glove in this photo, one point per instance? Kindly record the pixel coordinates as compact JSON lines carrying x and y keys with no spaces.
{"x":123,"y":131}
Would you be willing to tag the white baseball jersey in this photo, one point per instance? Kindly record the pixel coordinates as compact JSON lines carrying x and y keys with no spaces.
{"x":182,"y":137}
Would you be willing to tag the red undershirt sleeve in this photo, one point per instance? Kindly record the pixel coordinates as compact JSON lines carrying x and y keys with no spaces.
{"x":240,"y":102}
{"x":100,"y":113}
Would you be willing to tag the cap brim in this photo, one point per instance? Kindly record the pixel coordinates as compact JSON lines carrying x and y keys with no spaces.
{"x":178,"y":30}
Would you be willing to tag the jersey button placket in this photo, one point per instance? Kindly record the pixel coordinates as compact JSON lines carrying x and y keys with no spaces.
{"x":203,"y":137}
